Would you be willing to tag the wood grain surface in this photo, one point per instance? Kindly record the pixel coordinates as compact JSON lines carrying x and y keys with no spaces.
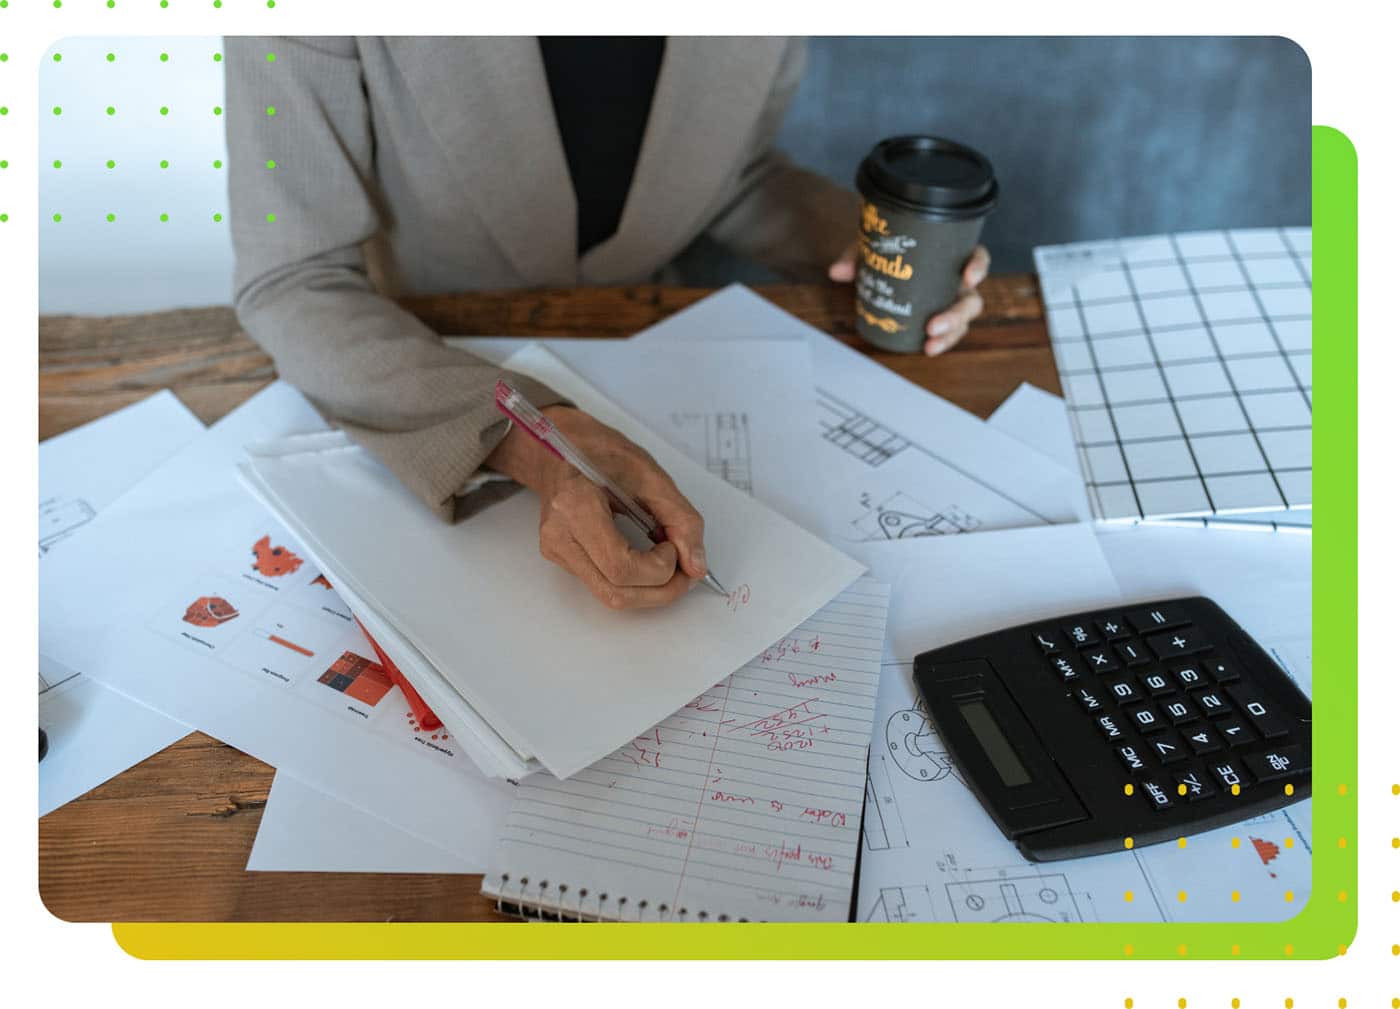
{"x":168,"y":839}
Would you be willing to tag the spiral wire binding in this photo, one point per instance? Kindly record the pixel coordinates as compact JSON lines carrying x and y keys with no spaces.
{"x":551,"y":904}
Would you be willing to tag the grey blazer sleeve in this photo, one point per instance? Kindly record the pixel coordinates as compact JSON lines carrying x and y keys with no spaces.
{"x":791,"y":220}
{"x":301,"y":286}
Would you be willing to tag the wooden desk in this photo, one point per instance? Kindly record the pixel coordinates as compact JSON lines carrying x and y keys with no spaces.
{"x":167,"y":840}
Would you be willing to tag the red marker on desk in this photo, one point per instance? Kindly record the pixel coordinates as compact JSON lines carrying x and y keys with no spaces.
{"x":519,"y":409}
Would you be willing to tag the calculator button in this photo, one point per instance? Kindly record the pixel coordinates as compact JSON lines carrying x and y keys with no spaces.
{"x":1230,"y":773}
{"x":1112,"y":628}
{"x":1259,"y":711}
{"x":1196,"y":786}
{"x":1122,"y":690}
{"x":1067,"y":667}
{"x":1158,"y":795}
{"x":1169,"y":749}
{"x":1157,"y":684}
{"x":1090,"y":700}
{"x":1178,"y":710}
{"x":1278,"y":762}
{"x":1049,"y":642}
{"x":1175,"y":643}
{"x":1081,"y":633}
{"x":1132,"y":653}
{"x":1108,"y":725}
{"x":1236,"y":733}
{"x":1157,"y":618}
{"x":1224,"y":672}
{"x":1203,"y":739}
{"x":1101,"y":660}
{"x":1130,"y":757}
{"x":1211,"y":703}
{"x":1190,"y":677}
{"x":1146,"y":719}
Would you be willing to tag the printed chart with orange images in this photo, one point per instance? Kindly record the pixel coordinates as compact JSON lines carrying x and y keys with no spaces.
{"x":276,"y":618}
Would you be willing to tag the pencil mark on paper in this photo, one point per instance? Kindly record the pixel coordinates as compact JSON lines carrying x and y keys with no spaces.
{"x":903,"y":903}
{"x":916,"y":748}
{"x":61,"y":517}
{"x":1014,"y":898}
{"x":901,"y":516}
{"x":722,"y":439}
{"x":857,"y":434}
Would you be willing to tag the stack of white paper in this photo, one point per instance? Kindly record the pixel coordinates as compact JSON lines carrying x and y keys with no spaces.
{"x":512,"y":652}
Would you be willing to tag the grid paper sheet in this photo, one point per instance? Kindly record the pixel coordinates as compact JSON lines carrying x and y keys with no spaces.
{"x":1186,"y":361}
{"x":745,"y":804}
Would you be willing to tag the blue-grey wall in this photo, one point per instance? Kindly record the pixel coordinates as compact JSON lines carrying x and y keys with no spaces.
{"x":1091,"y":137}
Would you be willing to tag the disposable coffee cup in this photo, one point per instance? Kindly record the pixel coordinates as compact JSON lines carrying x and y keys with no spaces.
{"x":923,"y":201}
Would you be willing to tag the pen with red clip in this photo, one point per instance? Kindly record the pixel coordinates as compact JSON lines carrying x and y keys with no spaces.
{"x":520,"y":410}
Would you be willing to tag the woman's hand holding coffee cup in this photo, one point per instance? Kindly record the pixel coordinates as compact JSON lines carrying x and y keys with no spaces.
{"x":949,"y":326}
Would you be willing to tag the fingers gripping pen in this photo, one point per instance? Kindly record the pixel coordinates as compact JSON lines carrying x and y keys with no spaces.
{"x":520,"y":410}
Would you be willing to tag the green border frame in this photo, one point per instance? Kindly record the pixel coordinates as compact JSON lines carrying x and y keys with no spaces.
{"x":1321,"y":930}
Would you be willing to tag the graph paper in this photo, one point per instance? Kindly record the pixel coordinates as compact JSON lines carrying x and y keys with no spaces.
{"x":1186,"y":362}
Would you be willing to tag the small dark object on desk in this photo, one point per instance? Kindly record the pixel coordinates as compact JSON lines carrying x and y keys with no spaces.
{"x":43,"y":743}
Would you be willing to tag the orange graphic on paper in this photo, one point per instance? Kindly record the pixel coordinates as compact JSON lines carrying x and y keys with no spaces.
{"x":209,"y":611}
{"x":273,"y":561}
{"x":321,"y":581}
{"x":356,"y":676}
{"x":439,"y":733}
{"x":1266,"y":850}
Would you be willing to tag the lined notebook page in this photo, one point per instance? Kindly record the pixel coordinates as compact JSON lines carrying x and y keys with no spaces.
{"x":745,"y":803}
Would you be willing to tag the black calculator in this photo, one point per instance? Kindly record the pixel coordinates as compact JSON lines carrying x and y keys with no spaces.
{"x":1049,"y":722}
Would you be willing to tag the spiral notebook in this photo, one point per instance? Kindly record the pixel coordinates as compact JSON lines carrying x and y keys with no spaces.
{"x":743,"y":805}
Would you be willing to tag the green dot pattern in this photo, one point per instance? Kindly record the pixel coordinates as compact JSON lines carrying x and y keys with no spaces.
{"x":218,"y":218}
{"x":218,"y":163}
{"x":4,"y":163}
{"x":111,"y":57}
{"x":164,"y":217}
{"x":165,"y":110}
{"x":111,"y":218}
{"x":111,"y":163}
{"x":271,"y":164}
{"x":164,"y":163}
{"x":57,"y":163}
{"x":57,"y":218}
{"x":271,"y":111}
{"x":111,"y":110}
{"x":271,"y":218}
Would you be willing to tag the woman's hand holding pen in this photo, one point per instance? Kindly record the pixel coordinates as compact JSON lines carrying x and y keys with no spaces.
{"x":577,"y":531}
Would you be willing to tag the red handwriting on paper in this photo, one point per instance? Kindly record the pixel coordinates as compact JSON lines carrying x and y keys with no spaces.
{"x":794,"y":728}
{"x":811,"y":681}
{"x":645,"y":751}
{"x":739,"y":597}
{"x":825,"y":816}
{"x":819,"y":861}
{"x":677,"y":827}
{"x":719,"y":796}
{"x":775,"y":805}
{"x":789,"y":646}
{"x":702,"y":703}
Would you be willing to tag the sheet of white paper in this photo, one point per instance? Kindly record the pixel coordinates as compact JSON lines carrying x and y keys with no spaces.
{"x":94,"y":732}
{"x":736,"y":407}
{"x":897,"y":461}
{"x":1039,"y":420}
{"x":932,"y":853}
{"x":303,"y":830}
{"x":745,"y":803}
{"x":189,"y":534}
{"x":572,"y":695}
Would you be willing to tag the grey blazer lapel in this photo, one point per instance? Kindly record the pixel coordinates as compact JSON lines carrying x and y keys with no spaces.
{"x":486,"y":101}
{"x":709,"y":97}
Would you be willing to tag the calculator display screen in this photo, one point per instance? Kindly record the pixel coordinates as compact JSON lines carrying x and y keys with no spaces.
{"x":984,"y":726}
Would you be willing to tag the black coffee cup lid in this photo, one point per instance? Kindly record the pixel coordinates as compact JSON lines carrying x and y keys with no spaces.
{"x":930,"y":176}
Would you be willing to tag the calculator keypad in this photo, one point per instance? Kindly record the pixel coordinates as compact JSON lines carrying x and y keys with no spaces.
{"x":1171,"y":711}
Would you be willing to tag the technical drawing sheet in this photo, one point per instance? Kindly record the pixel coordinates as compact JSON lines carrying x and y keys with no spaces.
{"x":932,"y":853}
{"x":93,"y":732}
{"x":898,"y":462}
{"x":1186,"y":361}
{"x":744,"y":804}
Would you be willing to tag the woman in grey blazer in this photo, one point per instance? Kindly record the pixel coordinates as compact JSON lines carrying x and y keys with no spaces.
{"x":361,"y":169}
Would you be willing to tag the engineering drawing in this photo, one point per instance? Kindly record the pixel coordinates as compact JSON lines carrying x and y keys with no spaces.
{"x":1014,"y":898}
